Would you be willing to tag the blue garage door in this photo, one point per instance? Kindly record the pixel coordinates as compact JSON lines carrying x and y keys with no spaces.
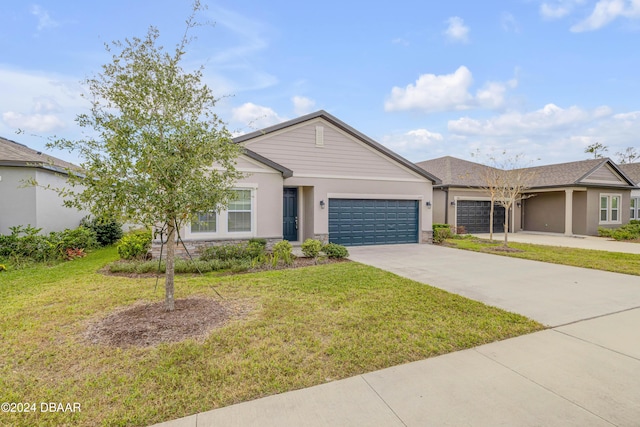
{"x":356,"y":222}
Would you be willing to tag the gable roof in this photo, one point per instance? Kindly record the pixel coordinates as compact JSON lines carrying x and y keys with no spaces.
{"x":461,"y":173}
{"x":286,"y":173}
{"x":632,"y":170}
{"x":15,"y":154}
{"x":578,"y":173}
{"x":456,"y":172}
{"x":345,"y":128}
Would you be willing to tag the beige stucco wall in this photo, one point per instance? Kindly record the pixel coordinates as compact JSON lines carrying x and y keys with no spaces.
{"x":439,"y":206}
{"x":51,"y":214}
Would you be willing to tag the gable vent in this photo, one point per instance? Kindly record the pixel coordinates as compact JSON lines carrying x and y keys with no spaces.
{"x":319,"y":136}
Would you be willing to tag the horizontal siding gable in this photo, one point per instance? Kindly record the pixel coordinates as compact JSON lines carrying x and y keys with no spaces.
{"x":338,"y":155}
{"x":246,"y":164}
{"x":604,"y":175}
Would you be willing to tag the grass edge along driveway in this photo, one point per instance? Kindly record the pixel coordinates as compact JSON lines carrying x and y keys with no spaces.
{"x":308,"y":326}
{"x":616,"y":262}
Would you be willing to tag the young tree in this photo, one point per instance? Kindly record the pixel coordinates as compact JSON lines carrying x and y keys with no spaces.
{"x":491,"y":179}
{"x":160,"y":154}
{"x":511,"y":182}
{"x":597,"y":149}
{"x":629,"y":155}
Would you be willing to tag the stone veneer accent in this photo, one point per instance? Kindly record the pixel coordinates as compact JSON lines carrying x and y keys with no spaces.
{"x":196,"y":246}
{"x":427,"y":236}
{"x":324,"y":238}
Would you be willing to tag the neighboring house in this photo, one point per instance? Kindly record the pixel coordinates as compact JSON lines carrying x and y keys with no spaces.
{"x":22,"y":204}
{"x":570,"y":198}
{"x":316,"y":177}
{"x":632,"y":170}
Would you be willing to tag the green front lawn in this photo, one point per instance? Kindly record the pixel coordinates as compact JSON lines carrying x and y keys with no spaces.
{"x":617,"y":262}
{"x":309,"y":326}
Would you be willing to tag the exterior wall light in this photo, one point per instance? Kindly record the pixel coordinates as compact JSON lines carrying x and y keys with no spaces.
{"x":428,"y":204}
{"x":322,"y":204}
{"x":453,"y":203}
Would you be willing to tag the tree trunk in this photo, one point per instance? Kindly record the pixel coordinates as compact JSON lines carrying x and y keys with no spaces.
{"x":171,"y":256}
{"x":491,"y":220}
{"x":506,"y":227}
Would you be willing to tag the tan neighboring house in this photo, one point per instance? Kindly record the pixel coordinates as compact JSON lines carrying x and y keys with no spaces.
{"x":632,"y":170}
{"x":317,"y":177}
{"x":32,"y":205}
{"x":570,"y":198}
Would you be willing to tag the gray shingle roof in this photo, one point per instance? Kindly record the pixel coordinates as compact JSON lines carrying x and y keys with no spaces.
{"x":15,"y":154}
{"x":632,"y":170}
{"x":456,"y":172}
{"x":461,"y":173}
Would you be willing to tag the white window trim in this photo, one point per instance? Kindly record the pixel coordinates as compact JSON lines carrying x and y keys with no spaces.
{"x":636,"y":208}
{"x":222,"y":221}
{"x":609,"y":197}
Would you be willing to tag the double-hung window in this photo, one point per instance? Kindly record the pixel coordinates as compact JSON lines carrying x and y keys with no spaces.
{"x":205,"y":223}
{"x":236,"y":221}
{"x":610,"y":209}
{"x":239,"y":212}
{"x":635,"y":208}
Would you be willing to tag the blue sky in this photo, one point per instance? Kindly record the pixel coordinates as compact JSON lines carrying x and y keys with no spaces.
{"x":544,"y":78}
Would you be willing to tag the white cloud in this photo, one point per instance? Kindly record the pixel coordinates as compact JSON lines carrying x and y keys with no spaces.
{"x":256,"y":116}
{"x":556,"y":10}
{"x":448,"y":92}
{"x":302,"y":105}
{"x":433,"y":93}
{"x":37,"y":102}
{"x":457,"y":31}
{"x":606,"y":11}
{"x":33,"y":122}
{"x":44,"y":19}
{"x":509,"y":23}
{"x":417,"y":144}
{"x":550,"y":118}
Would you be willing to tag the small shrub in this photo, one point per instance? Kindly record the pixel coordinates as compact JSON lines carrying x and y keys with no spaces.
{"x":259,"y":241}
{"x":436,"y":226}
{"x":224,"y":252}
{"x":635,"y":222}
{"x":334,"y":250}
{"x":135,"y":245}
{"x":311,"y":248}
{"x":255,"y":249}
{"x":282,"y":251}
{"x":108,"y":231}
{"x":78,"y":238}
{"x":605,"y":232}
{"x":441,"y":234}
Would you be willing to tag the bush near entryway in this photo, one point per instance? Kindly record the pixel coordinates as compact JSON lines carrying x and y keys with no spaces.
{"x":629,"y":231}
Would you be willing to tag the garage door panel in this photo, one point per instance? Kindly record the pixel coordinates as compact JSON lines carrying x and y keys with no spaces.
{"x":354,"y":222}
{"x":474,"y":215}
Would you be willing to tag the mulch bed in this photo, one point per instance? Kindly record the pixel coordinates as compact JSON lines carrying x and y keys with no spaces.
{"x":297,"y":263}
{"x":150,"y":324}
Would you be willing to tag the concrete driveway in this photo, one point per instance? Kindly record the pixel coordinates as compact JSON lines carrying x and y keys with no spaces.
{"x":551,"y":294}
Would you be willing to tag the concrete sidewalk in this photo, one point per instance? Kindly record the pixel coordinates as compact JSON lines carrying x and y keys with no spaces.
{"x":581,"y":372}
{"x":584,"y":374}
